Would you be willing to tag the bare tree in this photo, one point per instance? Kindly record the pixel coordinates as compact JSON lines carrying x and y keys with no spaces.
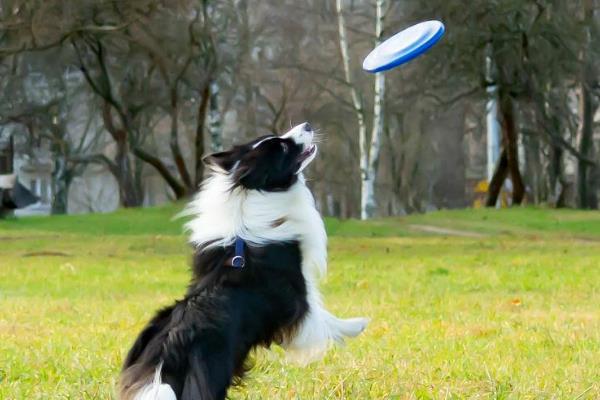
{"x":171,"y":80}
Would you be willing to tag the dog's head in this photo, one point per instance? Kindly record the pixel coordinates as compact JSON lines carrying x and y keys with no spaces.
{"x":269,"y":163}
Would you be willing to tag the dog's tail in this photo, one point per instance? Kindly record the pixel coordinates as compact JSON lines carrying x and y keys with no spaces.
{"x":168,"y":359}
{"x":146,"y":389}
{"x":350,"y":327}
{"x":141,"y":375}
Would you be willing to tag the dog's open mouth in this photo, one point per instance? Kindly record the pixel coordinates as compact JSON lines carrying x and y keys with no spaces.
{"x":307,"y":153}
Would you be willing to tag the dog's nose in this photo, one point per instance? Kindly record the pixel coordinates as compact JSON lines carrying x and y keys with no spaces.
{"x":307,"y":127}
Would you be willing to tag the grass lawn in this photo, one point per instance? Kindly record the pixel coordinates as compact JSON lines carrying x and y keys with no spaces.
{"x":479,"y":304}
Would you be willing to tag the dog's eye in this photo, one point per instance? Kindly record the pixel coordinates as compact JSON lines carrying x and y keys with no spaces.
{"x":284,"y":146}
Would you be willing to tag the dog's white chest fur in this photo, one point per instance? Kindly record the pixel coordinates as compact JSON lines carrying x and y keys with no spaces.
{"x":220,"y":214}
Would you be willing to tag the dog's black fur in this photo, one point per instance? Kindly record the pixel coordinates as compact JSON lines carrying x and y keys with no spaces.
{"x":203,"y":340}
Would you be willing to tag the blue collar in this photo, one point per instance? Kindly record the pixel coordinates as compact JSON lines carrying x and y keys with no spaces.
{"x":238,"y":260}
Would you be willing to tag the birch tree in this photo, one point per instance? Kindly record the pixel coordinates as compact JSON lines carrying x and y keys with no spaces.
{"x":369,"y":149}
{"x":215,"y":127}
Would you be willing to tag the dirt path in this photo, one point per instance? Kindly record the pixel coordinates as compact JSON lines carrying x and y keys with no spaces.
{"x":447,"y":231}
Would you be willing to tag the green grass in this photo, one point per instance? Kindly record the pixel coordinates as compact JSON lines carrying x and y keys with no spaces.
{"x":163,"y":221}
{"x":511,"y":310}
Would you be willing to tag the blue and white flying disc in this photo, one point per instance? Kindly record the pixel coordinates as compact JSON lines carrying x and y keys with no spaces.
{"x":404,"y":46}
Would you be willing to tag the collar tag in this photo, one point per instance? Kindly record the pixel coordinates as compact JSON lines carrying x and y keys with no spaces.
{"x":238,"y":261}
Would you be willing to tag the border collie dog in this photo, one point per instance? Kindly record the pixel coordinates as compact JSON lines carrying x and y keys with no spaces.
{"x":260,"y":247}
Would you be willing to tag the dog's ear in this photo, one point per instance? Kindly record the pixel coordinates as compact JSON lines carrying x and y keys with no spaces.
{"x":224,"y":160}
{"x":251,"y":175}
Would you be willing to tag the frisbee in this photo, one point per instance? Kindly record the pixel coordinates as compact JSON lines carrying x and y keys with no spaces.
{"x":404,"y":46}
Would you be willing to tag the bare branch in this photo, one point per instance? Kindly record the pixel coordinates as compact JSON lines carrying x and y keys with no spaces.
{"x":162,"y":169}
{"x":34,"y":47}
{"x":95,"y":158}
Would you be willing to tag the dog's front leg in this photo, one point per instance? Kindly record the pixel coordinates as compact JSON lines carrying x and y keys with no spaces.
{"x":319,"y":329}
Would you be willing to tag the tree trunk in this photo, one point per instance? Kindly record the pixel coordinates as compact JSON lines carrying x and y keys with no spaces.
{"x":130,"y":197}
{"x":510,"y":139}
{"x":214,"y":119}
{"x":369,"y":155}
{"x":199,"y":139}
{"x":60,"y":185}
{"x":174,"y":141}
{"x":356,"y":102}
{"x":586,"y":188}
{"x":368,"y":204}
{"x":492,"y":125}
{"x":585,"y":146}
{"x":122,"y":170}
{"x":533,"y":167}
{"x":592,"y":185}
{"x":368,"y":199}
{"x":557,"y":182}
{"x":498,"y":178}
{"x":246,"y":45}
{"x":7,"y":157}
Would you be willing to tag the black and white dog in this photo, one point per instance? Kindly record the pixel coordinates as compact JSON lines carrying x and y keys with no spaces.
{"x":260,"y":249}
